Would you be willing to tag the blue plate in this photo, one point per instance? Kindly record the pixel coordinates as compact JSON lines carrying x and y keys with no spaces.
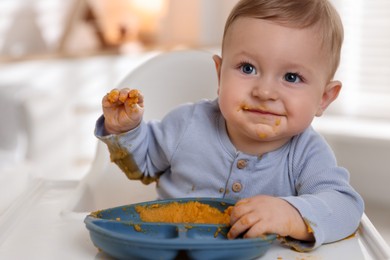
{"x":119,"y":232}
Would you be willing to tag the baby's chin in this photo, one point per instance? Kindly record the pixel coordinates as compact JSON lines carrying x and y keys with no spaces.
{"x":266,"y":132}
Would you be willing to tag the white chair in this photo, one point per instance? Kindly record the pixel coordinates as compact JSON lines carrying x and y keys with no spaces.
{"x":173,"y":78}
{"x":166,"y":81}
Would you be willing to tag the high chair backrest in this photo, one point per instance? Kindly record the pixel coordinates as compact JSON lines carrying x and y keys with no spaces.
{"x":172,"y":78}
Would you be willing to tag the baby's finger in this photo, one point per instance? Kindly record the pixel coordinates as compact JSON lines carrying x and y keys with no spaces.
{"x":136,"y":99}
{"x":123,"y":94}
{"x":241,"y":208}
{"x":258,"y":229}
{"x":140,"y":99}
{"x":132,"y":108}
{"x":112,"y":96}
{"x":106,"y":102}
{"x":242,"y":225}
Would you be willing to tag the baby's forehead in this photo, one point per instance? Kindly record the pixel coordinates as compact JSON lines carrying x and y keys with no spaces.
{"x":309,"y":33}
{"x":313,"y":33}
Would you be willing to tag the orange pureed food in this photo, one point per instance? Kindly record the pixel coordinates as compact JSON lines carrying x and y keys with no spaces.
{"x":113,"y":95}
{"x":133,"y":96}
{"x":188,"y":212}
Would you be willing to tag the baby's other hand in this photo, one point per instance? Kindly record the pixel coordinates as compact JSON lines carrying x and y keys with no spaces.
{"x":122,"y":109}
{"x":261,"y":215}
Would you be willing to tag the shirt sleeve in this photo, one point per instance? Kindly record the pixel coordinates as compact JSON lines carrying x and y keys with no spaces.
{"x":145,"y":152}
{"x":330,"y":207}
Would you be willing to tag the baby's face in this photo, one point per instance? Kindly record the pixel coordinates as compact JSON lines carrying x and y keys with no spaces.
{"x":272,"y":81}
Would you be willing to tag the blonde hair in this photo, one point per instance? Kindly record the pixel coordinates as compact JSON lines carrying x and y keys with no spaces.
{"x":297,"y":14}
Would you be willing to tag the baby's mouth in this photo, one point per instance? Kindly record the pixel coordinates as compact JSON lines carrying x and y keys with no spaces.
{"x":259,"y":110}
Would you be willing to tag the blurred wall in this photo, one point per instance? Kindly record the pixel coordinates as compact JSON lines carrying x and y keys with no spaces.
{"x":195,"y":22}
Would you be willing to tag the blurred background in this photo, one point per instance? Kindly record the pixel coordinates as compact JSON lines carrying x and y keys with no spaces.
{"x":41,"y":28}
{"x":58,"y":58}
{"x":54,"y":29}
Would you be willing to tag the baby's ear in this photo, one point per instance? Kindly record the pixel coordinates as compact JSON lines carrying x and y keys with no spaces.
{"x":330,"y":94}
{"x":218,"y":62}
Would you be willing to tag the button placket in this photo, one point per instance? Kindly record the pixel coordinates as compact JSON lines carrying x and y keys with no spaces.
{"x":240,"y":167}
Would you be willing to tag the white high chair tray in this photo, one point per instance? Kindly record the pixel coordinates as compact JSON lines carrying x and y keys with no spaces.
{"x":40,"y":227}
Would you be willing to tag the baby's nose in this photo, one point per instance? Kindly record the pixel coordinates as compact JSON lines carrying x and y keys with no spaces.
{"x":265,"y":89}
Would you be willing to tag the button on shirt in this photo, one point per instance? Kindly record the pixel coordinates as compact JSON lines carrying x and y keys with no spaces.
{"x":236,"y":187}
{"x":241,"y":164}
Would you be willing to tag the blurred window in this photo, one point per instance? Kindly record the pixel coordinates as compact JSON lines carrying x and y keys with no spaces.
{"x":365,"y":61}
{"x":50,"y":16}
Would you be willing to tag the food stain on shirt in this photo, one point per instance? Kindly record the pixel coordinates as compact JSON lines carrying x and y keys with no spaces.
{"x":125,"y":161}
{"x":298,"y":245}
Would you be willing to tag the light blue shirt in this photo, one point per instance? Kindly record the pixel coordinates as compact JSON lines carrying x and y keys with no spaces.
{"x":191,"y":155}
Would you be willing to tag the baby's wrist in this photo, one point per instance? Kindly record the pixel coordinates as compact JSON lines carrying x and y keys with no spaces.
{"x":302,"y":230}
{"x":116,"y":129}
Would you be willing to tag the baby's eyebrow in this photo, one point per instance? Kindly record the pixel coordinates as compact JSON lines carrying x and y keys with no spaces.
{"x":297,"y":67}
{"x":244,"y":53}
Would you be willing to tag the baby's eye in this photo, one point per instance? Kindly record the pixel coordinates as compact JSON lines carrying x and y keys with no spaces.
{"x":293,"y":77}
{"x":248,"y":68}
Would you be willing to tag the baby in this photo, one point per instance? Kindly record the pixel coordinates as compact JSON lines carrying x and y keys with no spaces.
{"x":254,"y":143}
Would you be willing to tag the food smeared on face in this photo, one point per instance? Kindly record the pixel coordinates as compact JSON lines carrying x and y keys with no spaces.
{"x":242,"y":107}
{"x":262,"y":110}
{"x":245,"y":107}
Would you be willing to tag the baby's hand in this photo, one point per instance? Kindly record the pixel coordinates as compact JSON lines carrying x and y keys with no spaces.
{"x":122,"y":109}
{"x":261,"y":215}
